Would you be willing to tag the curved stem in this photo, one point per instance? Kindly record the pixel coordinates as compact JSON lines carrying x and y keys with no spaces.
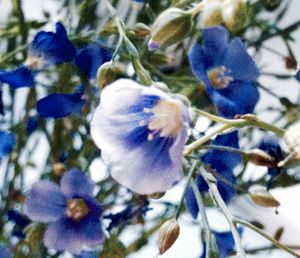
{"x":274,"y":242}
{"x":210,"y":180}
{"x":190,"y":174}
{"x":204,"y":219}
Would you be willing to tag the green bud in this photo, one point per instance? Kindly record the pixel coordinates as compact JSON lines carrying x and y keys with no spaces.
{"x":105,"y":74}
{"x":262,"y":197}
{"x":235,"y":14}
{"x":212,"y":15}
{"x":171,"y":26}
{"x":168,"y":234}
{"x":261,"y":158}
{"x":140,"y":30}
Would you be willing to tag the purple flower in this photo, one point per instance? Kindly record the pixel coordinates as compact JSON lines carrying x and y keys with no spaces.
{"x":227,"y":71}
{"x":141,"y":132}
{"x":71,"y":211}
{"x":223,"y":163}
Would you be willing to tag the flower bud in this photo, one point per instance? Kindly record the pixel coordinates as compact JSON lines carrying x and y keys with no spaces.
{"x":140,"y":30}
{"x":105,"y":74}
{"x":262,"y":197}
{"x":168,"y":234}
{"x":212,"y":15}
{"x":59,"y":168}
{"x":292,"y":141}
{"x":156,"y":195}
{"x":234,"y":13}
{"x":170,"y":27}
{"x":261,"y":158}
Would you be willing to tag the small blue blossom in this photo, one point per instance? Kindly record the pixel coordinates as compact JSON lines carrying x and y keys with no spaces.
{"x":58,"y":105}
{"x":223,"y":163}
{"x":297,"y":76}
{"x":49,"y":48}
{"x":20,"y":77}
{"x":71,"y":211}
{"x":20,"y":223}
{"x":5,"y":251}
{"x":87,"y":254}
{"x":270,"y":144}
{"x":32,"y":124}
{"x":141,"y":132}
{"x":227,"y":70}
{"x":224,"y":242}
{"x":7,"y":143}
{"x":90,"y":58}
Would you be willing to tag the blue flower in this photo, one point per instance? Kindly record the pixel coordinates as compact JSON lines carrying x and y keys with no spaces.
{"x":90,"y":58}
{"x":20,"y":223}
{"x":223,"y":163}
{"x":32,"y":124}
{"x":71,"y":211}
{"x":5,"y":252}
{"x":86,"y":254}
{"x":49,"y":48}
{"x":1,"y":104}
{"x":227,"y":71}
{"x":270,"y":144}
{"x":297,"y":76}
{"x":20,"y":77}
{"x":7,"y":143}
{"x":141,"y":132}
{"x":224,"y":242}
{"x":58,"y":105}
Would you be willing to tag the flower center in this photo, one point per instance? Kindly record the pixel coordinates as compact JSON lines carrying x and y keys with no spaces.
{"x":218,"y":79}
{"x":34,"y":62}
{"x":166,"y":119}
{"x":76,"y":209}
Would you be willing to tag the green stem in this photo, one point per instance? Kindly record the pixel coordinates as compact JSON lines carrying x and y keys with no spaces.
{"x":272,"y":240}
{"x":211,"y":182}
{"x":190,"y":174}
{"x":204,"y":219}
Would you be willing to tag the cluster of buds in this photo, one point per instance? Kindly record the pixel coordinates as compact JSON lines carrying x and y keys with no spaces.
{"x":233,"y":13}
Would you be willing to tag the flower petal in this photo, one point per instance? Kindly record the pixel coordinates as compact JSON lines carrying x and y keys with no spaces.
{"x":20,"y":77}
{"x":60,"y":105}
{"x":237,"y":99}
{"x":67,"y":235}
{"x":52,"y":48}
{"x":240,"y":62}
{"x":144,"y":165}
{"x":5,"y":252}
{"x":75,"y":182}
{"x":90,"y":58}
{"x":215,"y":42}
{"x":7,"y":143}
{"x":45,"y":202}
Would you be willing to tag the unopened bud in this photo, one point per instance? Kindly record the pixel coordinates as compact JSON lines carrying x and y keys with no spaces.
{"x":141,"y":30}
{"x":212,"y":15}
{"x":171,"y":26}
{"x":234,"y":13}
{"x":105,"y":74}
{"x":261,"y":158}
{"x":168,"y":234}
{"x":156,"y":195}
{"x":290,"y":62}
{"x":59,"y":168}
{"x":262,"y":197}
{"x":292,"y":141}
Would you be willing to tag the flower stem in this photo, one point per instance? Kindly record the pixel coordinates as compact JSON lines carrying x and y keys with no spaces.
{"x":204,"y":220}
{"x":274,"y":242}
{"x":197,"y":9}
{"x":211,"y":182}
{"x":190,"y":174}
